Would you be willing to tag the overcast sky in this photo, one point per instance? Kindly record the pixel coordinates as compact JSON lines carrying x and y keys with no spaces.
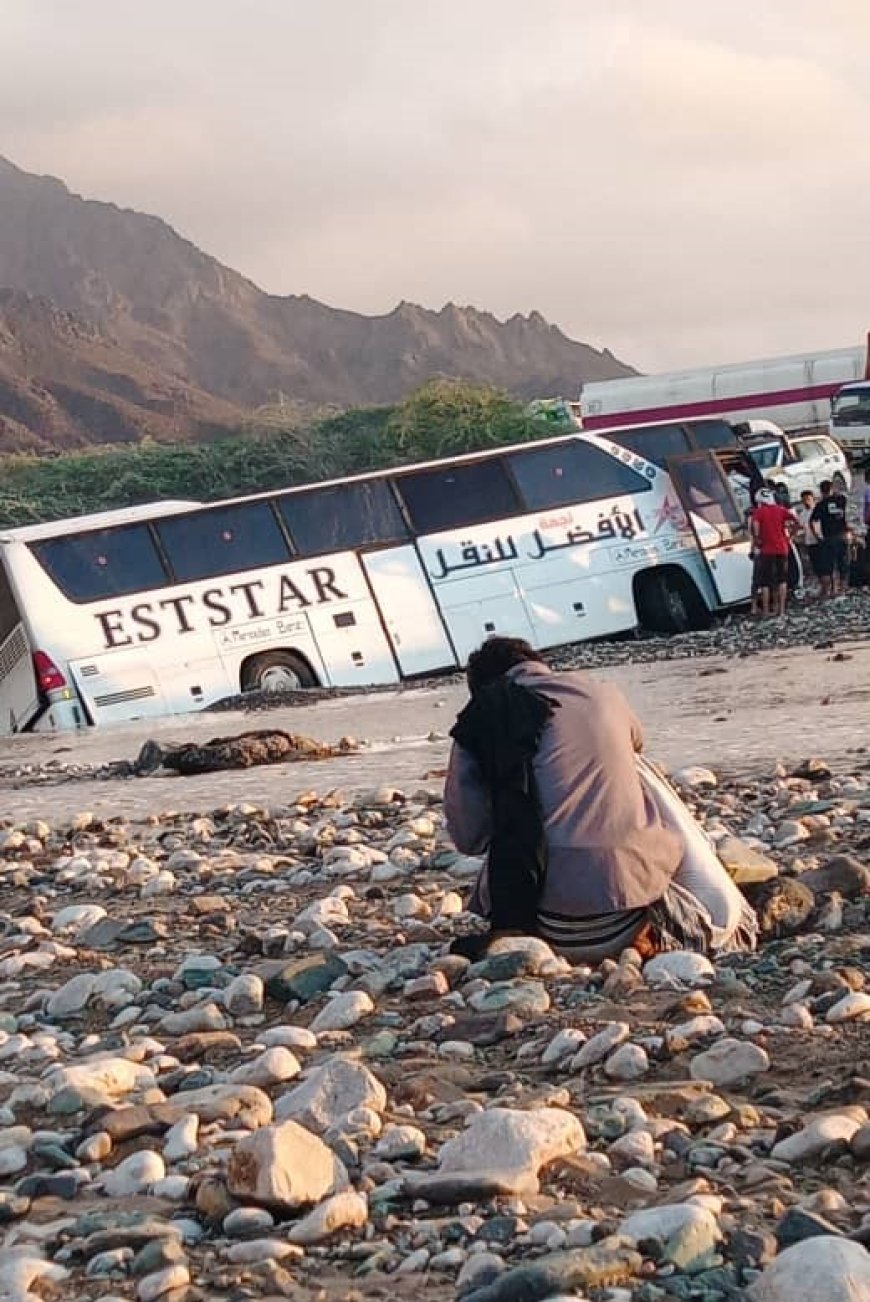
{"x":681,"y":181}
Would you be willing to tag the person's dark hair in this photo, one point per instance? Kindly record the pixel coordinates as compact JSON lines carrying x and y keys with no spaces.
{"x":495,"y":657}
{"x":825,"y":487}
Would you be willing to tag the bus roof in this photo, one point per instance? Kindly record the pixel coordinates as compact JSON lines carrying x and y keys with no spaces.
{"x":97,"y":520}
{"x":154,"y":510}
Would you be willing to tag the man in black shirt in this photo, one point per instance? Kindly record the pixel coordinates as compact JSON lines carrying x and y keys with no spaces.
{"x":828,"y":522}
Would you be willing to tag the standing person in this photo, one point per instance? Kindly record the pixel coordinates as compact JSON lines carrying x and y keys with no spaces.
{"x":544,"y":777}
{"x":772,"y":527}
{"x":807,"y":540}
{"x":832,"y":532}
{"x":866,"y":500}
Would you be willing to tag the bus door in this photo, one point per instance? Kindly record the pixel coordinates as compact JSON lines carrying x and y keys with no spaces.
{"x":717,"y":522}
{"x":400,"y":586}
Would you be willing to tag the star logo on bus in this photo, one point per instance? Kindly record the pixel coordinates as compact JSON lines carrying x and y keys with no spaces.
{"x":670,"y":513}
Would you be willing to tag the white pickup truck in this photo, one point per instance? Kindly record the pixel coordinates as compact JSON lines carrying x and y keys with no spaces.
{"x":796,"y":463}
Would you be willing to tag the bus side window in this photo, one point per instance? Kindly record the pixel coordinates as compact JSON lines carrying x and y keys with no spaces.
{"x":451,"y":496}
{"x":653,"y":442}
{"x":710,"y":434}
{"x":222,"y":540}
{"x":567,"y":473}
{"x":342,"y":516}
{"x":103,"y":563}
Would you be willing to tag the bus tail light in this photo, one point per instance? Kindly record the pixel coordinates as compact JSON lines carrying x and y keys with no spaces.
{"x":48,"y":676}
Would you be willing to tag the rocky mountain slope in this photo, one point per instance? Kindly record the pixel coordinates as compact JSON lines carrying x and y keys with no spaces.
{"x":196,"y":329}
{"x":65,"y":384}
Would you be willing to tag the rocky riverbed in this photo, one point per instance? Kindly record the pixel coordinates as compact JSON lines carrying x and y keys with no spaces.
{"x":238,"y":1061}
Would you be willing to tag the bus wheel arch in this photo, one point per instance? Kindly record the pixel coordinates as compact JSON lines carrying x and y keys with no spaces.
{"x":667,"y":600}
{"x":281,"y":670}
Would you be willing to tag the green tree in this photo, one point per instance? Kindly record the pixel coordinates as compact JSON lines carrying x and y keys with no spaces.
{"x":448,"y":417}
{"x":443,"y":418}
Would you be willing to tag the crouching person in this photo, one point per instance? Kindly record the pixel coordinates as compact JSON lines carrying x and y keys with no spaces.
{"x":585,"y":846}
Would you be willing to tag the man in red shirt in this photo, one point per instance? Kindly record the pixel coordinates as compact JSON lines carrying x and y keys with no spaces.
{"x":772,"y":528}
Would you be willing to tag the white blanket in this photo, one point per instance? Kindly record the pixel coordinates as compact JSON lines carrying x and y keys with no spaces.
{"x":701,"y":873}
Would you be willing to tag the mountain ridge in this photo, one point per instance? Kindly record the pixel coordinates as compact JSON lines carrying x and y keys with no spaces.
{"x":211,"y":334}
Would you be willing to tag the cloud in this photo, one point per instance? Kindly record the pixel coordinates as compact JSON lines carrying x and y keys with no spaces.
{"x":680,"y":182}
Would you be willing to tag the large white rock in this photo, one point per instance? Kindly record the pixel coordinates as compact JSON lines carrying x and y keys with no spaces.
{"x":111,"y":1077}
{"x":182,"y":1139}
{"x":343,"y":1011}
{"x":689,"y":1232}
{"x":514,"y":1145}
{"x":343,"y":1211}
{"x":824,"y":1269}
{"x":678,"y":967}
{"x":117,"y":985}
{"x":729,"y":1062}
{"x":171,"y":1279}
{"x":268,"y":1068}
{"x":21,"y":1271}
{"x":629,"y":1062}
{"x":330,"y":1093}
{"x":815,"y":1137}
{"x":695,"y":777}
{"x":564,"y":1044}
{"x":284,"y":1166}
{"x":330,"y":911}
{"x":77,"y":917}
{"x":135,"y":1174}
{"x":702,"y":1027}
{"x":243,"y":997}
{"x":851,"y":1008}
{"x":601,"y":1045}
{"x":72,"y":997}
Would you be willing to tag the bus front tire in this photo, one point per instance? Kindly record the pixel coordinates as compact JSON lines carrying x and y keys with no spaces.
{"x":277,"y":671}
{"x":668,"y":601}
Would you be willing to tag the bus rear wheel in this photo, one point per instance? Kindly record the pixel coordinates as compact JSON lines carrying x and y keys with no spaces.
{"x":277,"y":671}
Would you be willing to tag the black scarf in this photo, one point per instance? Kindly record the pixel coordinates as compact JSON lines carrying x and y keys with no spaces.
{"x":501,"y":728}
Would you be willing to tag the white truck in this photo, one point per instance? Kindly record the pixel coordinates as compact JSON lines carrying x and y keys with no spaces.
{"x":850,"y":418}
{"x":795,"y":392}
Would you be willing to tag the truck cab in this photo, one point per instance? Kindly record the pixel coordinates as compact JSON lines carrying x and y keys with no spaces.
{"x":850,"y":418}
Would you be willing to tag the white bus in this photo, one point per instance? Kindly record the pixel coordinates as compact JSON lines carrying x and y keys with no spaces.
{"x":368,"y":580}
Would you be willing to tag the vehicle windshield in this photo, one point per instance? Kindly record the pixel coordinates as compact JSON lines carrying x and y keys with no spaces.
{"x":852,"y":408}
{"x":766,"y":455}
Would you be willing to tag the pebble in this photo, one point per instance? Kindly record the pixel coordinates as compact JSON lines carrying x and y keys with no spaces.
{"x":812,"y":1139}
{"x":629,"y":1062}
{"x":506,"y":1148}
{"x":730,"y":1062}
{"x":343,"y":1011}
{"x":284,"y":1166}
{"x":851,"y":1008}
{"x":689,"y":1234}
{"x":244,"y":995}
{"x":600,"y":1045}
{"x":330,"y":1094}
{"x":678,"y":968}
{"x":135,"y":1174}
{"x":342,"y":1211}
{"x":823,"y":1268}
